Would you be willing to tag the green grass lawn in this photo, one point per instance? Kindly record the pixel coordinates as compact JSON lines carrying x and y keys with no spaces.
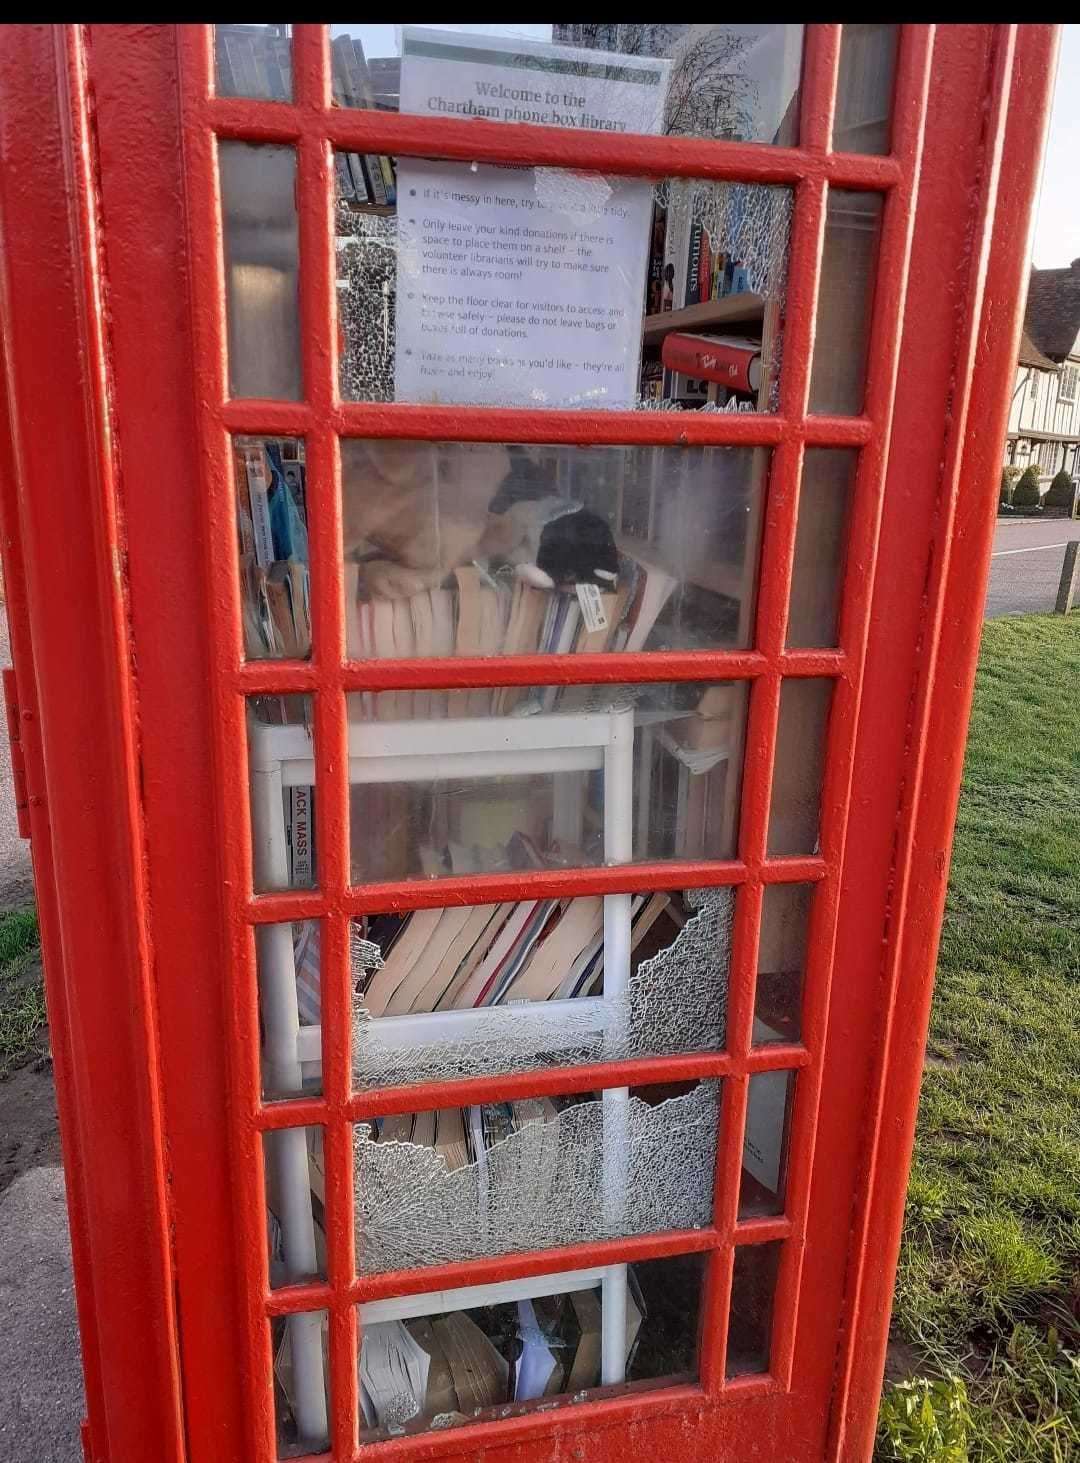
{"x":22,"y":999}
{"x":989,"y":1283}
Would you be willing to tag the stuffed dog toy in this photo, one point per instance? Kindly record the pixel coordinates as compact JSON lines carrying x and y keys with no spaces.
{"x":414,"y":511}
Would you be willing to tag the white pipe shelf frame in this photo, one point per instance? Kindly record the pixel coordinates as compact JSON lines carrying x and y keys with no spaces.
{"x":281,"y":757}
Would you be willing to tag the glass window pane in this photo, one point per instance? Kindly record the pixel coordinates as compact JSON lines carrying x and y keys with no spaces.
{"x":498,"y":1351}
{"x":443,"y":994}
{"x":848,"y":267}
{"x":753,"y":1289}
{"x":261,"y":237}
{"x":795,"y":807}
{"x":301,"y":1383}
{"x":253,"y":61}
{"x":737,"y":81}
{"x":506,"y":1177}
{"x":519,"y":778}
{"x":270,"y":478}
{"x":281,"y":752}
{"x":864,"y":92}
{"x":290,"y":1001}
{"x":765,"y":1146}
{"x":785,"y":919}
{"x":828,"y":481}
{"x":295,"y":1172}
{"x":491,"y":549}
{"x":487,"y":285}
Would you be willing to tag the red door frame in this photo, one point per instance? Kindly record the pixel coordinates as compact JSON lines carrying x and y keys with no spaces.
{"x":134,"y":746}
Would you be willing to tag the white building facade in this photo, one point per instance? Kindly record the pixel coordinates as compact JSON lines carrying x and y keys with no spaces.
{"x":1044,"y":415}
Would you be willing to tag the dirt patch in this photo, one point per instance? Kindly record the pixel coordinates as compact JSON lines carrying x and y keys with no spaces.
{"x":29,"y":1136}
{"x":902,"y":1362}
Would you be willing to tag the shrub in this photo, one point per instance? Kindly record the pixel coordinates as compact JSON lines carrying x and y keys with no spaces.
{"x":1060,"y":492}
{"x":925,"y":1422}
{"x":1026,"y":492}
{"x":1008,"y":482}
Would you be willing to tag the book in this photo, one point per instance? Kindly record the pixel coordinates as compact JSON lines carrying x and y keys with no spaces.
{"x":440,"y":1396}
{"x":692,"y":287}
{"x":450,"y":1137}
{"x":449,"y":926}
{"x":403,"y":954}
{"x":394,"y":1370}
{"x":301,"y":864}
{"x":352,"y":87}
{"x":480,"y":1375}
{"x":451,"y":996}
{"x":574,"y":931}
{"x":727,"y":360}
{"x":655,"y":586}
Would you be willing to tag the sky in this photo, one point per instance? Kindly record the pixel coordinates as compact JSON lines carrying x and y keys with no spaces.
{"x":1057,"y":218}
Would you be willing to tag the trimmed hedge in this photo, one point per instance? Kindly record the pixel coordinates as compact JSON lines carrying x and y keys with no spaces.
{"x":1060,"y":492}
{"x":1009,"y":474}
{"x":1026,"y":492}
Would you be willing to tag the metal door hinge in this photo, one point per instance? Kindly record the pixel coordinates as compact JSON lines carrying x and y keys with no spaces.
{"x":18,"y":766}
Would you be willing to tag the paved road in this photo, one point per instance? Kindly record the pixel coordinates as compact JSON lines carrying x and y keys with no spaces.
{"x":1026,"y":566}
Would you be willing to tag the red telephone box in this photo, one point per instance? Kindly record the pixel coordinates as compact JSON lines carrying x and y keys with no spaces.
{"x":495,"y":528}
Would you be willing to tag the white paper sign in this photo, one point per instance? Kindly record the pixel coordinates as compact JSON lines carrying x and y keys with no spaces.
{"x":522,"y":286}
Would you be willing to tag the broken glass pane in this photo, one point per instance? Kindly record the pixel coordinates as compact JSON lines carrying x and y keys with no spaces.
{"x":527,"y":286}
{"x":508,"y":1177}
{"x":521,"y":986}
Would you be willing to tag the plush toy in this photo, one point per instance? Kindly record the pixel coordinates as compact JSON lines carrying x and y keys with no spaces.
{"x":415,"y":511}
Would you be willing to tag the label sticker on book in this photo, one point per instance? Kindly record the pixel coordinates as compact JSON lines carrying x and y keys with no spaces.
{"x":592,"y":607}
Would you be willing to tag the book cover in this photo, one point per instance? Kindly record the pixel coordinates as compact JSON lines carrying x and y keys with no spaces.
{"x":727,"y":360}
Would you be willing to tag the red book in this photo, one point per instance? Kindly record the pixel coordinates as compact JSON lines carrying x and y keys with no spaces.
{"x":726,"y":359}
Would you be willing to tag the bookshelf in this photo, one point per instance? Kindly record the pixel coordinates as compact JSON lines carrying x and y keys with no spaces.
{"x":743,"y":309}
{"x":281,"y":757}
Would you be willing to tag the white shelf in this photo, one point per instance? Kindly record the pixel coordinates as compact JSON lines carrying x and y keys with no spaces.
{"x":412,"y":751}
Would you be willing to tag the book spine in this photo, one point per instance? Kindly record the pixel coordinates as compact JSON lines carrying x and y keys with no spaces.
{"x":692,"y":291}
{"x":376,"y":187}
{"x":359,"y":178}
{"x":705,"y":269}
{"x":389,"y":179}
{"x":654,"y":287}
{"x":300,"y":838}
{"x":365,"y":92}
{"x":258,"y":481}
{"x":225,"y":82}
{"x":727,"y":365}
{"x":345,"y":186}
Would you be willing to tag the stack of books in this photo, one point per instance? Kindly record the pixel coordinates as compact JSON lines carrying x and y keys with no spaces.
{"x":363,"y":179}
{"x":493,"y":954}
{"x":271,"y":511}
{"x":478,"y":614}
{"x":457,"y":1365}
{"x":253,"y":61}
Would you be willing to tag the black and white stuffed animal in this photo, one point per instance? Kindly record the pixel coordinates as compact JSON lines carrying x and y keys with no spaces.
{"x":558,"y":543}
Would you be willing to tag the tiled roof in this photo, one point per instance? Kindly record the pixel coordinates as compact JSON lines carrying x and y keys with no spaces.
{"x":1031,"y":355}
{"x":1052,"y":321}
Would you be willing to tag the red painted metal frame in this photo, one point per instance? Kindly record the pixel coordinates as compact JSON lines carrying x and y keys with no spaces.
{"x":180,"y":943}
{"x":67,"y":613}
{"x":313,"y":126}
